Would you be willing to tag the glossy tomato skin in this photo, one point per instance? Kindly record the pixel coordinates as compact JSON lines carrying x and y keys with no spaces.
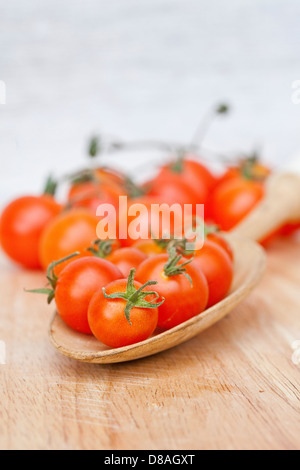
{"x":193,"y":174}
{"x":69,"y":232}
{"x":111,"y":177}
{"x":256,"y":170}
{"x":217,"y":267}
{"x":289,"y":229}
{"x":222,"y":242}
{"x":77,"y":284}
{"x":126,"y":259}
{"x":173,"y":190}
{"x":149,"y":247}
{"x":108,"y":322}
{"x":126,"y":219}
{"x":148,"y":226}
{"x":90,"y":195}
{"x":182,"y":300}
{"x":21,"y":226}
{"x":233,"y":200}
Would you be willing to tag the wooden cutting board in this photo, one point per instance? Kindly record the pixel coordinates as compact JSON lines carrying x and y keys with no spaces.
{"x":234,"y":386}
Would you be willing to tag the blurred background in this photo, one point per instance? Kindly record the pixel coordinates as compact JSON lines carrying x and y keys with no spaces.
{"x":142,"y":69}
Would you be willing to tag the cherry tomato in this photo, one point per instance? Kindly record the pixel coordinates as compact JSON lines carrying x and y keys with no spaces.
{"x":183,"y":299}
{"x":289,"y":229}
{"x":69,"y":232}
{"x":195,"y":176}
{"x":77,"y":284}
{"x":248,"y":168}
{"x":111,"y":177}
{"x":143,"y":226}
{"x":150,"y":247}
{"x":89,"y":190}
{"x":173,"y":190}
{"x":217,"y":267}
{"x":211,"y":233}
{"x":126,"y":259}
{"x":109,"y":321}
{"x":22,"y":224}
{"x":233,"y":200}
{"x":91,"y":195}
{"x":142,"y":220}
{"x":222,"y":242}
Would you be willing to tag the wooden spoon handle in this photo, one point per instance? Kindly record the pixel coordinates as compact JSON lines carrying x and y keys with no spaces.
{"x":280,"y":205}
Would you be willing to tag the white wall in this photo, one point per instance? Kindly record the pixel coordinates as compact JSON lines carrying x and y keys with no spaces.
{"x":142,"y":68}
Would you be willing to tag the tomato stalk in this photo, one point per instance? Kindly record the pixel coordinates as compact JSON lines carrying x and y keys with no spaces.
{"x":52,"y":278}
{"x":251,"y":169}
{"x":180,"y":245}
{"x":50,"y":186}
{"x":98,"y":145}
{"x":172,"y":268}
{"x":102,"y":248}
{"x":135,"y":297}
{"x":196,"y":144}
{"x":205,"y":125}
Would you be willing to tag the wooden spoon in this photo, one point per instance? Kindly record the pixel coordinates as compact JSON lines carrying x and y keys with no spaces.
{"x":281,"y":205}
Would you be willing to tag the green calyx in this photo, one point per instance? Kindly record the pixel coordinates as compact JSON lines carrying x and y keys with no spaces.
{"x":102,"y":248}
{"x":163,"y":243}
{"x":52,"y":278}
{"x":248,"y":167}
{"x":135,"y":297}
{"x":180,"y":245}
{"x":251,"y":169}
{"x":172,"y":268}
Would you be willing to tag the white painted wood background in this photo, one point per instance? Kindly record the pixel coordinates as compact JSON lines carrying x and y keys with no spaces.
{"x":140,"y":69}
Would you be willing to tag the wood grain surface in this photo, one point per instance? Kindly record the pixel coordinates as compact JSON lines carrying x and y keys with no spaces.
{"x":234,"y":386}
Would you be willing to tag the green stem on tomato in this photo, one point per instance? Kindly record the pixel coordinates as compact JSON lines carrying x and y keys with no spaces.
{"x":205,"y":125}
{"x":52,"y":278}
{"x":50,"y":186}
{"x":172,"y":268}
{"x":135,"y":297}
{"x":101,"y":248}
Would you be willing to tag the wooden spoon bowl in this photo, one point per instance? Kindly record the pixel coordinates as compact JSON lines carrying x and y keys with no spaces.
{"x":249,"y":267}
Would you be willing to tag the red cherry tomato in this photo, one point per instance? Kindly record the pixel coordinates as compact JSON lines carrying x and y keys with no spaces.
{"x":144,"y":226}
{"x":289,"y":229}
{"x":69,"y":232}
{"x":142,"y":218}
{"x":183,"y":300}
{"x":107,"y":318}
{"x":150,"y":247}
{"x":90,"y":195}
{"x":77,"y":284}
{"x":233,"y":200}
{"x":111,"y":177}
{"x":195,"y":176}
{"x":217,"y":267}
{"x":126,"y":259}
{"x":219,"y":240}
{"x":247,"y":168}
{"x":21,"y":226}
{"x":173,"y":190}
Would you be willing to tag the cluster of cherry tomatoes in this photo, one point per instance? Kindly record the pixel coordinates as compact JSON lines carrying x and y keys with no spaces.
{"x":122,"y":290}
